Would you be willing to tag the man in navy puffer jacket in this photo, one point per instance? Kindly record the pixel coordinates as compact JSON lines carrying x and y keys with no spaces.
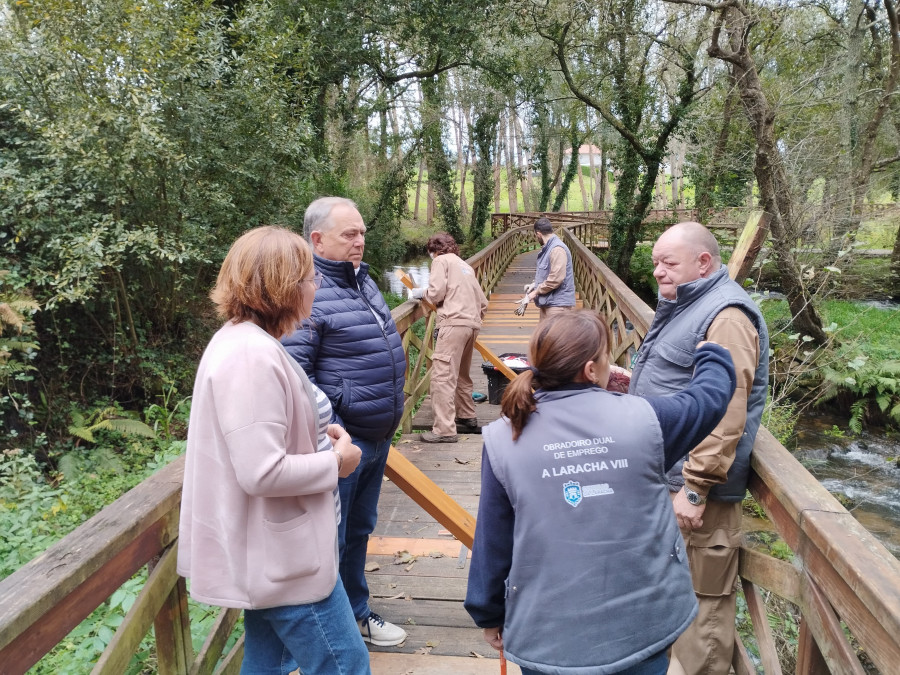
{"x":350,"y":349}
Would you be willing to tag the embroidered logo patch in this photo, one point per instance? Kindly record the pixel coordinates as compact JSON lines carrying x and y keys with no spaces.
{"x":572,"y":492}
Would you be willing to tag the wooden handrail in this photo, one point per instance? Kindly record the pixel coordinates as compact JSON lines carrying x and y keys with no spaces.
{"x":44,"y":600}
{"x":731,"y":218}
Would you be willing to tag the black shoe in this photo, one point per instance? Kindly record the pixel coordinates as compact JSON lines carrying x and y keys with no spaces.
{"x":467,"y":426}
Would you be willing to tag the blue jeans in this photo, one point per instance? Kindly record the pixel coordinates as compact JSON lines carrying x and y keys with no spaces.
{"x":655,"y":665}
{"x":320,"y":637}
{"x":359,"y":513}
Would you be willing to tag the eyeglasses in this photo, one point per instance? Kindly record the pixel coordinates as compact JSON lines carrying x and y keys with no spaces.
{"x":316,"y":280}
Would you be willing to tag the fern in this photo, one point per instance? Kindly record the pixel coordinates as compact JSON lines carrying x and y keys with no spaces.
{"x":857,"y":412}
{"x":9,"y":344}
{"x":16,"y":310}
{"x":124,"y":425}
{"x":104,"y":459}
{"x":872,"y":384}
{"x":13,"y":311}
{"x":108,"y":419}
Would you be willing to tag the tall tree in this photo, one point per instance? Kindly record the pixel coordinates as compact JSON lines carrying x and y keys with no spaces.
{"x":440,"y":173}
{"x":624,"y":47}
{"x":730,"y":42}
{"x":572,"y":168}
{"x":870,"y":78}
{"x":484,"y":131}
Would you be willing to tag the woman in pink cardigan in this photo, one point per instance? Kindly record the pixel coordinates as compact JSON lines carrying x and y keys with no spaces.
{"x":259,"y":508}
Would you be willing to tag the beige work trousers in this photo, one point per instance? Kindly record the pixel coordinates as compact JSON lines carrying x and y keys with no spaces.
{"x":547,"y":312}
{"x":451,"y":382}
{"x":707,"y":645}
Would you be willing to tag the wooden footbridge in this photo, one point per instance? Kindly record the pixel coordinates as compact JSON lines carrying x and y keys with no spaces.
{"x":845,"y":584}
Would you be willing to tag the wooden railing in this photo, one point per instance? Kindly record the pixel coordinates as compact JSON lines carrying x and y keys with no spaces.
{"x":725,"y":219}
{"x":491,"y":262}
{"x":840,"y":577}
{"x":730,"y":218}
{"x":628,"y":316}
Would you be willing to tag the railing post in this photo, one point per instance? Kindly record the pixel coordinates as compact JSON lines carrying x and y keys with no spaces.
{"x":174,"y":650}
{"x":809,"y":657}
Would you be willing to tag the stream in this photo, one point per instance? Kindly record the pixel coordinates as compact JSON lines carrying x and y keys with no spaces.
{"x":862,"y":471}
{"x":417,"y":268}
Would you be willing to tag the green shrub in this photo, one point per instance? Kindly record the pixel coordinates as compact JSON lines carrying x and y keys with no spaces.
{"x":18,"y":349}
{"x":32,"y":510}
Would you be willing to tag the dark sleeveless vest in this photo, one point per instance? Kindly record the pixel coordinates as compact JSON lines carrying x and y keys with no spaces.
{"x":664,"y":363}
{"x":595,"y":543}
{"x":564,"y":294}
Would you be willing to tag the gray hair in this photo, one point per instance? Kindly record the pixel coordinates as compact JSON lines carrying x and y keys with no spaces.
{"x":318,"y":214}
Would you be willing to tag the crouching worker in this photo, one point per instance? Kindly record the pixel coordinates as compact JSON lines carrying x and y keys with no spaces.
{"x":454,"y":289}
{"x":259,"y":507}
{"x":578,"y":565}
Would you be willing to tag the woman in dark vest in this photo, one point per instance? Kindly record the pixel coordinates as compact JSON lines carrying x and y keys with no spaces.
{"x":578,"y":566}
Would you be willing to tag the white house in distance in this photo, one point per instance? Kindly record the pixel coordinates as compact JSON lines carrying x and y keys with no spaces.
{"x":584,"y":155}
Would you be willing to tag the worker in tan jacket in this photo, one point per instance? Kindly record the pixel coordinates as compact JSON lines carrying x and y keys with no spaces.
{"x":461,"y":304}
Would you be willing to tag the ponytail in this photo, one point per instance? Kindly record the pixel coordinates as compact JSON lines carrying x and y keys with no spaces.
{"x":559,"y":348}
{"x":518,"y":401}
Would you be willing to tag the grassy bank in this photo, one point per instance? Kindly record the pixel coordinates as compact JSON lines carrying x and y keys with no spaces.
{"x":857,"y":372}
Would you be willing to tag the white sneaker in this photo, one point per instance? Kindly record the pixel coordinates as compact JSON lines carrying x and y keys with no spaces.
{"x":379,"y":632}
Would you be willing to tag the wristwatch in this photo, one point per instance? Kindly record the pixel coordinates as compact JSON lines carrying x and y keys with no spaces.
{"x":693,"y":497}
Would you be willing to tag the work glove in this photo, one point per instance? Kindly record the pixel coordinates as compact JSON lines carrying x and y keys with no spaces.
{"x":416,"y":293}
{"x":523,"y":303}
{"x":529,"y":288}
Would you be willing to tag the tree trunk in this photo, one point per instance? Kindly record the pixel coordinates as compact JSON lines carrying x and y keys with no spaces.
{"x":560,"y":162}
{"x":662,"y":200}
{"x":676,"y":168}
{"x":603,"y":181}
{"x":894,"y":284}
{"x":673,"y":175}
{"x":395,"y":131}
{"x":440,"y":174}
{"x":382,"y":126}
{"x":462,"y":164}
{"x":509,"y":137}
{"x":706,"y":186}
{"x":585,"y":198}
{"x":771,"y":176}
{"x":521,"y":161}
{"x":542,"y":150}
{"x":863,"y":138}
{"x":573,"y":166}
{"x":419,"y":189}
{"x":483,"y":134}
{"x":496,"y":173}
{"x":634,"y":194}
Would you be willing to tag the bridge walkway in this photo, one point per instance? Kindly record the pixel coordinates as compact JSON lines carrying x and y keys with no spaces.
{"x":416,"y":569}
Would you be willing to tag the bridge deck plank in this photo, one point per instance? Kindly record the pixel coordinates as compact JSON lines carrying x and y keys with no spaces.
{"x":425,"y":596}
